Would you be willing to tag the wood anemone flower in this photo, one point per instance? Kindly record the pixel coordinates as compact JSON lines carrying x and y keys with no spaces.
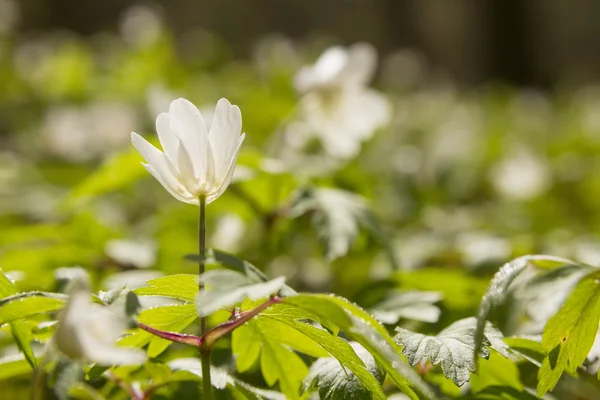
{"x":196,"y":160}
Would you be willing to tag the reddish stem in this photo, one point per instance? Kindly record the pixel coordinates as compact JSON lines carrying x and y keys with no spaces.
{"x":221,"y":330}
{"x":212,"y":335}
{"x":172,"y":336}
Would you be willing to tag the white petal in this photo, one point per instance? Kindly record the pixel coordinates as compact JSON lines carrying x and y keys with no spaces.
{"x":168,"y":140}
{"x":186,"y":171}
{"x":228,"y":175}
{"x":224,"y":135}
{"x":172,"y":191}
{"x":324,"y":71}
{"x":187,"y":123}
{"x":360,"y":66}
{"x":160,"y":164}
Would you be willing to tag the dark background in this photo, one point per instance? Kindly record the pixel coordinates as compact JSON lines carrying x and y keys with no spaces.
{"x":542,"y":43}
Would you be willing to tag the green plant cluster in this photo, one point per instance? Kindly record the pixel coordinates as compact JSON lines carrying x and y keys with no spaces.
{"x":398,"y":287}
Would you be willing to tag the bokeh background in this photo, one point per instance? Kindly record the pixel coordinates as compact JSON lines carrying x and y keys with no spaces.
{"x":492,"y":150}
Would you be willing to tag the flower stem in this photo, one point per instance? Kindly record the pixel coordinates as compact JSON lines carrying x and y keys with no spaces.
{"x":204,"y":352}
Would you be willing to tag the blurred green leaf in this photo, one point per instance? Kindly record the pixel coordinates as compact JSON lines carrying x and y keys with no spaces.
{"x":117,"y":172}
{"x":11,"y":366}
{"x":20,"y":330}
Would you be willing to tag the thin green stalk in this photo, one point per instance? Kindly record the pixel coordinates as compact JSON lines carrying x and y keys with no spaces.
{"x":204,"y":352}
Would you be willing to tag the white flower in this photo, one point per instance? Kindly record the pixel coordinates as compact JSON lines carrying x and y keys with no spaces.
{"x":337,"y":102}
{"x":89,"y":331}
{"x":197,"y":161}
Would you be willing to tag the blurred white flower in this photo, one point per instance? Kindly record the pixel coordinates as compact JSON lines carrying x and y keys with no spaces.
{"x":479,"y":248}
{"x":140,"y":25}
{"x":89,"y":331}
{"x":129,"y":252}
{"x":197,"y":161}
{"x":83,"y":133}
{"x":521,"y":176}
{"x":9,"y":15}
{"x":337,"y":103}
{"x":228,"y":233}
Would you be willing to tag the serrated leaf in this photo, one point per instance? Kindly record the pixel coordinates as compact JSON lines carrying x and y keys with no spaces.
{"x":570,"y":334}
{"x":25,"y":307}
{"x":500,"y":283}
{"x":336,"y":216}
{"x":364,"y":329}
{"x":179,"y":286}
{"x":414,"y":305}
{"x":172,"y":318}
{"x":224,"y":288}
{"x":334,"y":382}
{"x":453,"y":348}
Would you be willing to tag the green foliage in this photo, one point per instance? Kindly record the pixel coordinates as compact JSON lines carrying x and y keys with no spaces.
{"x":453,"y":348}
{"x":334,"y":382}
{"x":172,"y":318}
{"x":569,"y":335}
{"x":20,"y":331}
{"x":410,"y":229}
{"x":182,"y":287}
{"x":224,"y":288}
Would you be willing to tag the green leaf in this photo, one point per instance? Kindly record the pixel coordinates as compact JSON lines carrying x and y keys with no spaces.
{"x":224,"y":288}
{"x":453,"y":348}
{"x":172,"y":318}
{"x":500,"y":283}
{"x":496,"y":371}
{"x":334,"y":382}
{"x":179,"y":286}
{"x":335,"y":346}
{"x":20,"y":330}
{"x":364,"y":329}
{"x":230,"y":261}
{"x":28,"y":306}
{"x":23,"y":338}
{"x":191,"y":369}
{"x":528,"y":349}
{"x":336,"y":216}
{"x":118,"y":171}
{"x":11,"y":366}
{"x":415,"y":305}
{"x":501,"y":393}
{"x":570,"y":334}
{"x":279,"y":364}
{"x":270,"y":341}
